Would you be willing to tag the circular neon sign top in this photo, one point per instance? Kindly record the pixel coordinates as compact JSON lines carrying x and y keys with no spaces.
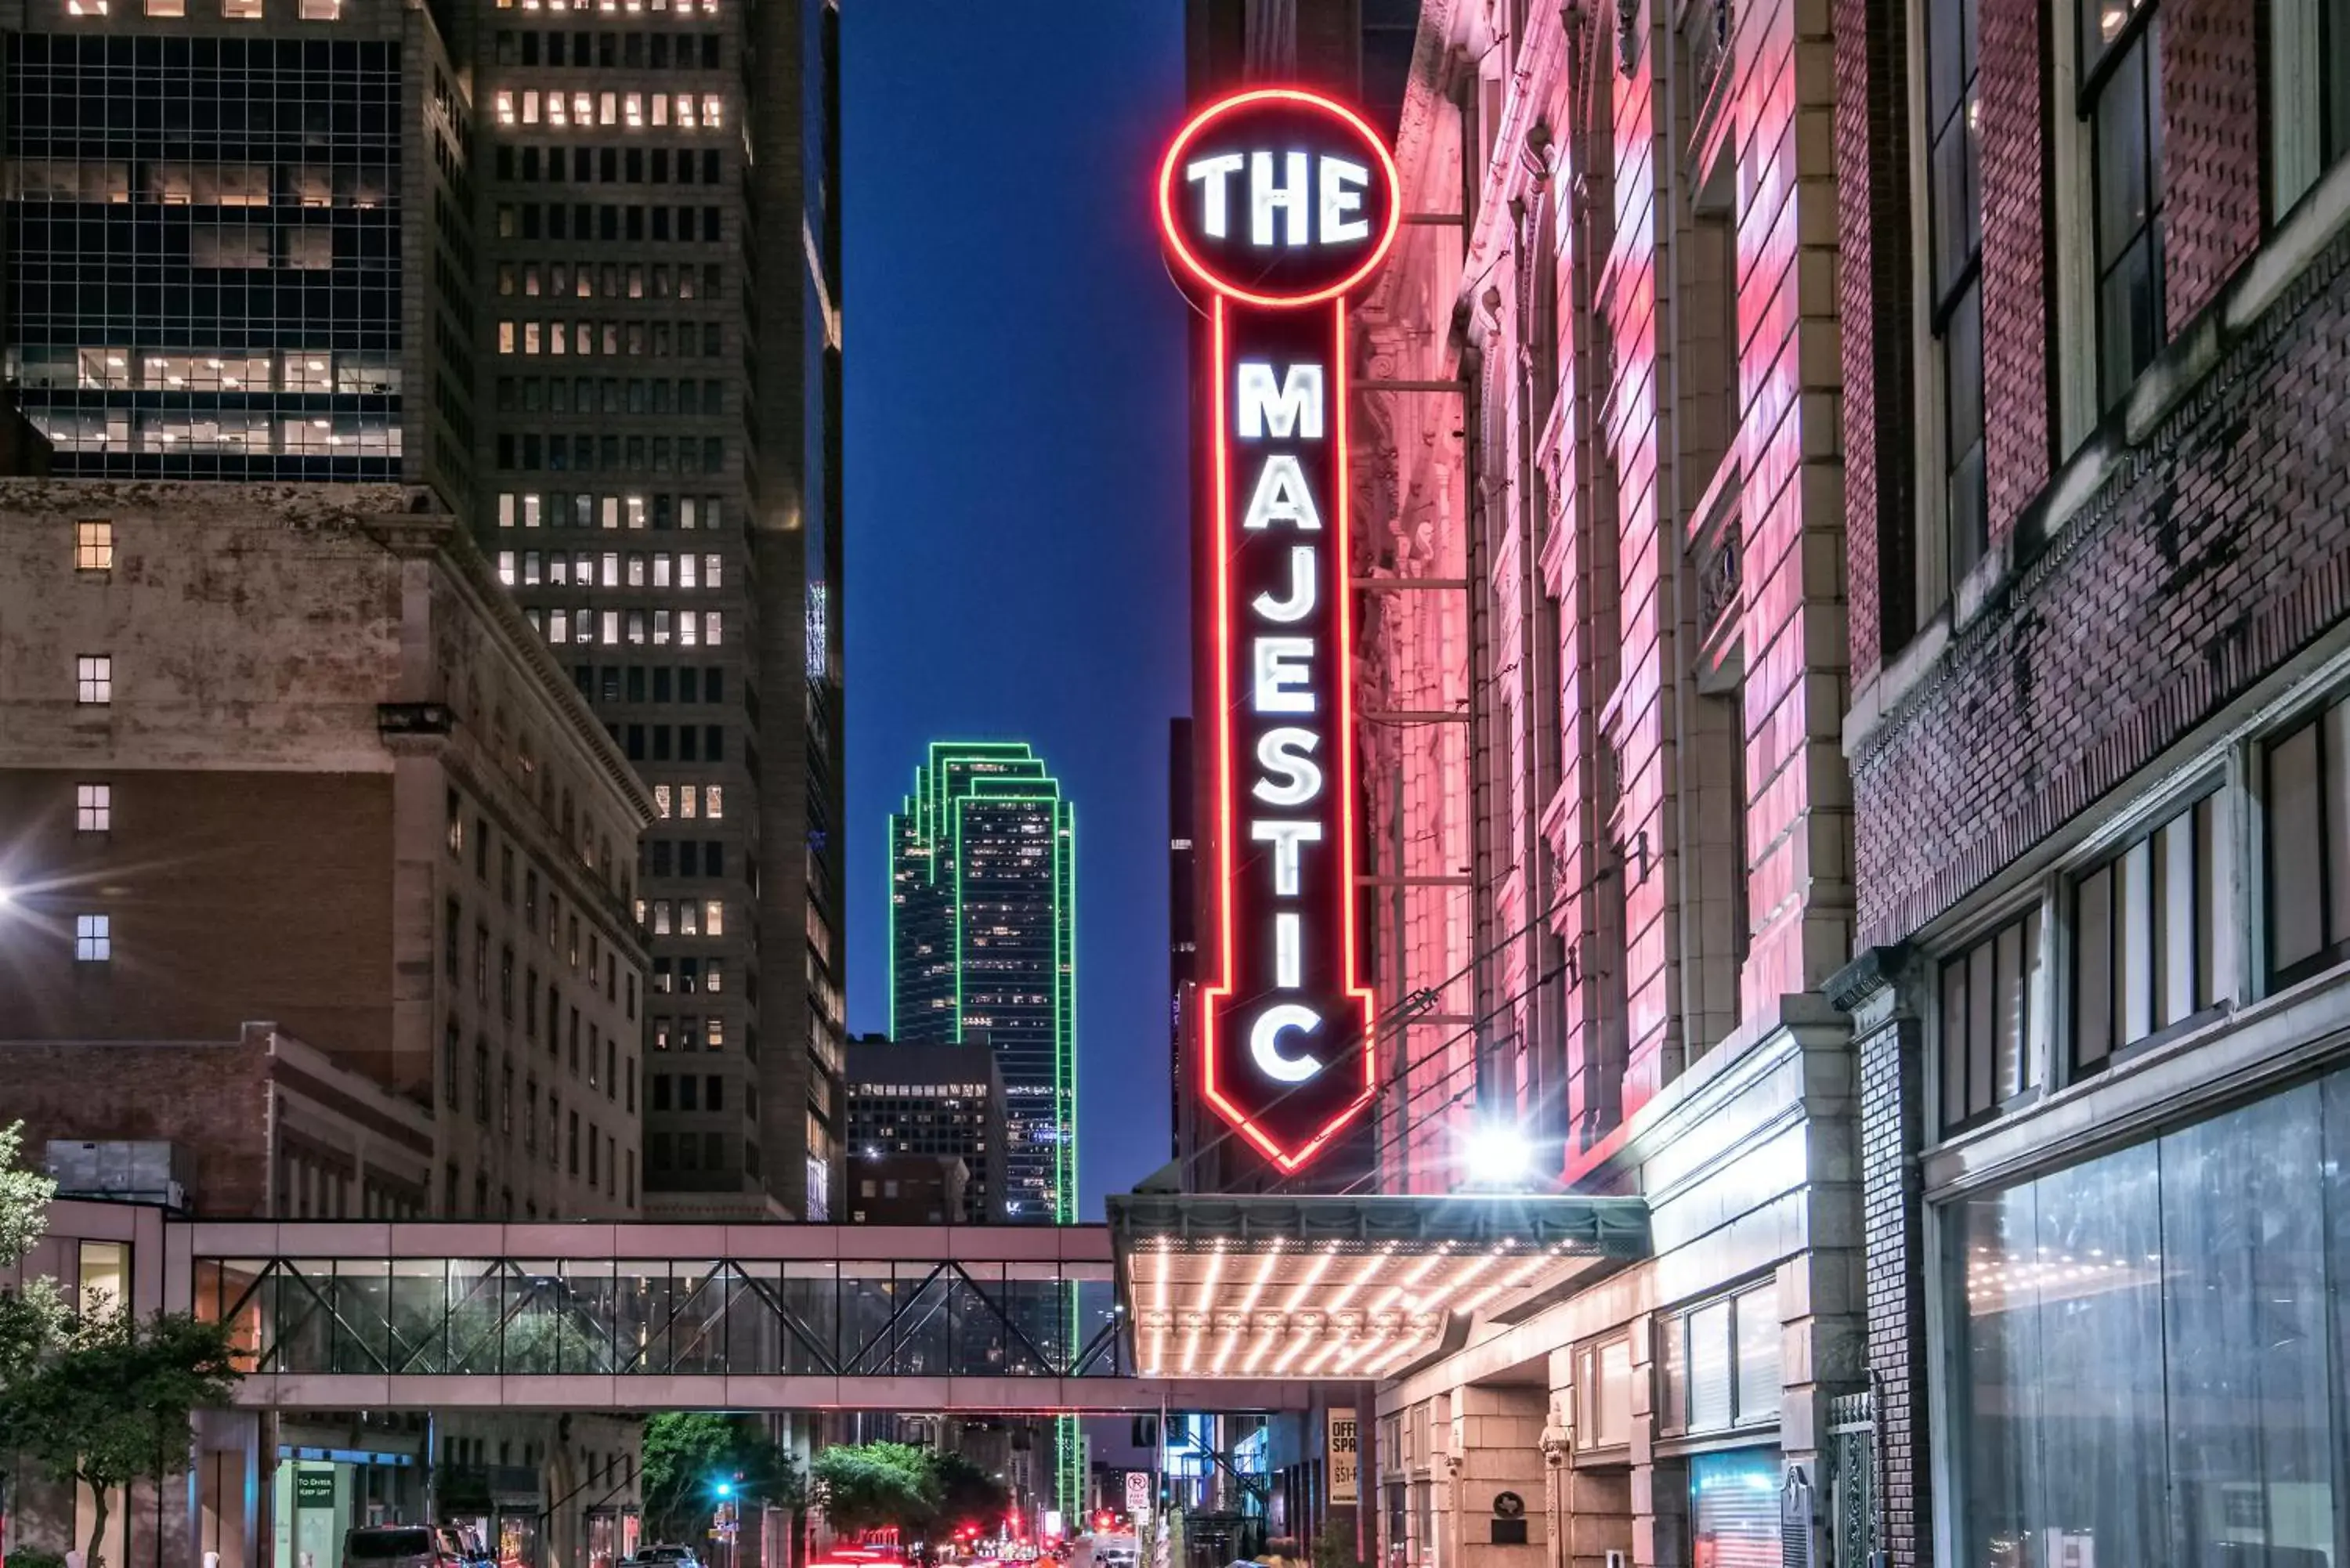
{"x":1277,"y":196}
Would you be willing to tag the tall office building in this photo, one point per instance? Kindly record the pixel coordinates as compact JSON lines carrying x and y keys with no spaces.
{"x":660,"y":444}
{"x":936,"y":1102}
{"x":238,"y":237}
{"x":982,"y":938}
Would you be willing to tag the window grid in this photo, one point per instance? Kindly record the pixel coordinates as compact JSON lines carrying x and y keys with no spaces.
{"x":2150,"y":949}
{"x":2121,"y":99}
{"x":93,"y":808}
{"x":93,"y":679}
{"x":2306,"y":840}
{"x":1994,"y":1022}
{"x":1953,"y":132}
{"x":94,"y":547}
{"x":93,"y":939}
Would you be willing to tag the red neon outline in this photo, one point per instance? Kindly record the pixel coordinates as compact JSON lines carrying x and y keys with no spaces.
{"x":1222,"y":989}
{"x":1200,"y":269}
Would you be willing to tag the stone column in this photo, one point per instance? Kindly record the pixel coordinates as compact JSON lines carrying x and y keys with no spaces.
{"x":1497,"y":1444}
{"x":1822,"y":1295}
{"x":1655,"y":1491}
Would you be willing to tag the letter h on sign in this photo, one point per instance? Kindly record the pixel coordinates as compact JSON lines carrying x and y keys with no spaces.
{"x":1276,"y":204}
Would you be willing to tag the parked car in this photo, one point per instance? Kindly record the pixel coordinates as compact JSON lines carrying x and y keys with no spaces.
{"x":395,"y":1546}
{"x":666,"y":1557}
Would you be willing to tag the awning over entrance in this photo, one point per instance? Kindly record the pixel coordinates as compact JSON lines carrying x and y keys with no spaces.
{"x":1337,"y":1287}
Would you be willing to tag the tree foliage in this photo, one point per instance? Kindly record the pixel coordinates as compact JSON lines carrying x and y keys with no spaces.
{"x":110,"y":1401}
{"x":878,"y":1485}
{"x":687,"y":1453}
{"x":104,"y":1399}
{"x":871,"y":1486}
{"x":32,"y":1317}
{"x":23,"y":1200}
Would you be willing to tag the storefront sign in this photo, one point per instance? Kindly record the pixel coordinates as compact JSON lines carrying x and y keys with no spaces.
{"x":1275,"y":203}
{"x":1346,"y":1458}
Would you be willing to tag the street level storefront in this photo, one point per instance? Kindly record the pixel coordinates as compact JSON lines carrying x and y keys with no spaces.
{"x":1669,"y":1411}
{"x":2144,"y":1360}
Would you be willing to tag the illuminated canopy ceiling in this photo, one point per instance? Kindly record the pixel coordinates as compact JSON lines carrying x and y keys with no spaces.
{"x":1335,"y":1287}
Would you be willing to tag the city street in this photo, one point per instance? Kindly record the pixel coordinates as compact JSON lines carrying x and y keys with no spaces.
{"x":1217,"y":783}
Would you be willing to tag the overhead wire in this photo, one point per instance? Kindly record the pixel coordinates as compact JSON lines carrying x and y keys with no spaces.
{"x":1399,"y":1018}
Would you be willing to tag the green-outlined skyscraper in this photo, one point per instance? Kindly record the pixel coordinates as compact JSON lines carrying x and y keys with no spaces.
{"x":982,"y":945}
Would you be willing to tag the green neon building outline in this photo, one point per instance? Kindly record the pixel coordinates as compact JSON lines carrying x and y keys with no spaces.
{"x":959,"y":773}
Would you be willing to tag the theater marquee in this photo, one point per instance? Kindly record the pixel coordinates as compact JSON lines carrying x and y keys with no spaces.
{"x":1275,"y":203}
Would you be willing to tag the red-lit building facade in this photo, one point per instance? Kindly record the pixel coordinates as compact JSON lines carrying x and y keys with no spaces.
{"x":1603,"y":672}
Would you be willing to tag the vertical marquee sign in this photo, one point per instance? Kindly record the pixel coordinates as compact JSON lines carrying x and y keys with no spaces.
{"x":1275,"y":203}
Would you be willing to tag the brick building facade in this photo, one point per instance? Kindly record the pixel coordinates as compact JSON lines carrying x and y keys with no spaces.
{"x":2096,"y":772}
{"x":292,"y":752}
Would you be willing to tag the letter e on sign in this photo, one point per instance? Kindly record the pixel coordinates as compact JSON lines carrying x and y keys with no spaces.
{"x":1278,"y":197}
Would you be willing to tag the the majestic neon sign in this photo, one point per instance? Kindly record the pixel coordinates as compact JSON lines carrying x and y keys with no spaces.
{"x":1275,"y":203}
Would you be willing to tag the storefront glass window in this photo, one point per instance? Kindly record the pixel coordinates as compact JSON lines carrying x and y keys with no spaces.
{"x":2147,"y":1369}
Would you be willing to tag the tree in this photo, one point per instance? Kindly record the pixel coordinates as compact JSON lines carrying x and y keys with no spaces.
{"x":968,"y":1494}
{"x":30,"y":1318}
{"x":23,"y":1200}
{"x":687,"y":1453}
{"x":871,"y":1486}
{"x":111,"y":1402}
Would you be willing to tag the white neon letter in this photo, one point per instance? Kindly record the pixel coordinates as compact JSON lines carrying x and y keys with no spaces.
{"x":1211,"y":174}
{"x":1290,"y":196}
{"x":1282,"y":674}
{"x":1288,"y":949}
{"x":1285,"y":837}
{"x":1300,"y":602}
{"x":1282,"y":496}
{"x":1264,"y":1042}
{"x":1295,"y":404}
{"x":1342,"y":193}
{"x":1285,"y":752}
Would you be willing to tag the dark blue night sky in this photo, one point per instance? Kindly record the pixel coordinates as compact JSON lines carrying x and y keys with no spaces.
{"x":1015,"y":494}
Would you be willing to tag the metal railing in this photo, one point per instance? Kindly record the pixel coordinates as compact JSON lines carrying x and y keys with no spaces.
{"x":700,"y":1317}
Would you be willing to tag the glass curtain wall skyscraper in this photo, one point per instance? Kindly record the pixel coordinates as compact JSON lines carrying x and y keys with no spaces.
{"x":239,"y":240}
{"x":982,"y":946}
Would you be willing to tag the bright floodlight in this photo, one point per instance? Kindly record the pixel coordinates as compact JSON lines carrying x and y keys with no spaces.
{"x":1498,"y":1156}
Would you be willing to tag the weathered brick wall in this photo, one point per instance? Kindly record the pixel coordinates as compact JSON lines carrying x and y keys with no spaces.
{"x":231,"y":895}
{"x":2210,"y":148}
{"x":1872,"y":159}
{"x":2016,"y":362}
{"x":209,"y":1100}
{"x":2212,"y":553}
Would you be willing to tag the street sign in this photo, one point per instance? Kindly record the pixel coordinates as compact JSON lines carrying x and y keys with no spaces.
{"x":1138,"y":1491}
{"x":1275,"y":203}
{"x":314,"y":1488}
